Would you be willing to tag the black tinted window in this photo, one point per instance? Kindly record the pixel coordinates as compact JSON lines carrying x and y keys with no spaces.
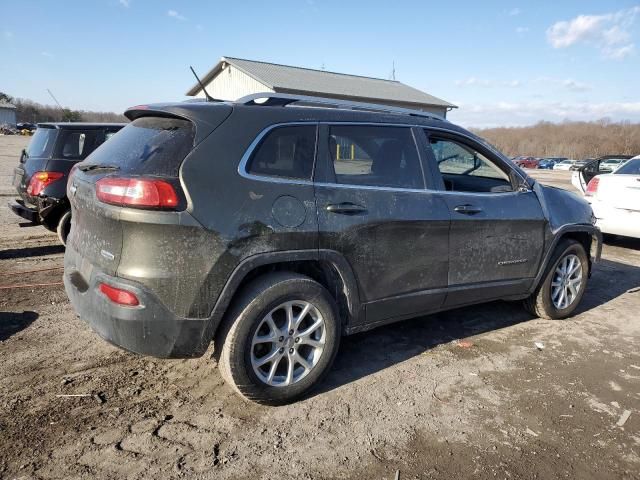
{"x":42,"y":142}
{"x":632,"y":167}
{"x":78,"y":144}
{"x":375,"y":156}
{"x":285,"y":152}
{"x":148,"y":145}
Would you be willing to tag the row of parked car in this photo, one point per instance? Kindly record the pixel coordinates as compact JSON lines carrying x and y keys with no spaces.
{"x":238,"y":223}
{"x":608,"y":162}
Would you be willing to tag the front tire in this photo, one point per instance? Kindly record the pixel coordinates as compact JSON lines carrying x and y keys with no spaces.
{"x":279,"y":338}
{"x":564,"y":283}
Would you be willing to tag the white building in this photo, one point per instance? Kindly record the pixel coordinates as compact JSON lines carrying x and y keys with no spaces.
{"x":7,"y":114}
{"x":232,"y":78}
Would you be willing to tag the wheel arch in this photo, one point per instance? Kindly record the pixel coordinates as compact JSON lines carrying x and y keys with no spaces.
{"x":587,"y":235}
{"x":327,"y":267}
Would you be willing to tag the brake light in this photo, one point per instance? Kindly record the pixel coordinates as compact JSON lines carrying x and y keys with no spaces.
{"x":40,"y":180}
{"x":137,"y":192}
{"x":119,"y":296}
{"x":592,"y":187}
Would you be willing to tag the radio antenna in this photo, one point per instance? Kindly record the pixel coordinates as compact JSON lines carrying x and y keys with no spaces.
{"x":207,"y":96}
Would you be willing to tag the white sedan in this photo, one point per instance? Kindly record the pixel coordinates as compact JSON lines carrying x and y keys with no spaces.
{"x":615,"y":199}
{"x":565,"y":164}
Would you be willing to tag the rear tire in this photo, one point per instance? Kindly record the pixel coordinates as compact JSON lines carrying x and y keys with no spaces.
{"x":64,"y":227}
{"x":284,"y":316}
{"x":548,"y":301}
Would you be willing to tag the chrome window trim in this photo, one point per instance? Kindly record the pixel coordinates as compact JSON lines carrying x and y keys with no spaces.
{"x":242,"y":167}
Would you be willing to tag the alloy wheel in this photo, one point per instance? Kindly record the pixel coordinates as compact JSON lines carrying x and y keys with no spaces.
{"x":288,"y":343}
{"x":567,"y":280}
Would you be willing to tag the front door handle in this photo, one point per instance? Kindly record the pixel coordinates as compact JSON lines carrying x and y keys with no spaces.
{"x":346,"y":208}
{"x":467,"y":209}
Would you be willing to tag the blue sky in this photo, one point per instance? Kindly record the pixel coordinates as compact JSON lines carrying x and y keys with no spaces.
{"x":502,"y":62}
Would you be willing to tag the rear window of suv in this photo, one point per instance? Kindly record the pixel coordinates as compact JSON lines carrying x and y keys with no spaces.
{"x":42,"y":142}
{"x":78,"y":144}
{"x":148,"y":145}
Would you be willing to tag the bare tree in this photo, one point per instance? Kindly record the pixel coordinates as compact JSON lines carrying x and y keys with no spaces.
{"x":577,"y":140}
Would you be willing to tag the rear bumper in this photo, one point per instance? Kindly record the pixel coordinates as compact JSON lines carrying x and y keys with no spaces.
{"x":19,"y":208}
{"x":147,"y":329}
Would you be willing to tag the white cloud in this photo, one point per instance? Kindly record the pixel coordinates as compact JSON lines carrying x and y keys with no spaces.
{"x":514,"y":12}
{"x":199,"y":27}
{"x":574,"y":86}
{"x":522,"y":30}
{"x":528,"y":113}
{"x":7,"y":34}
{"x":46,"y":54}
{"x":621,"y":52}
{"x":125,"y":3}
{"x":610,"y":32}
{"x":176,"y":15}
{"x":480,"y":82}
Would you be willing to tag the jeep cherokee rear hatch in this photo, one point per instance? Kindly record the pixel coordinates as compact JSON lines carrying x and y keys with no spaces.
{"x":130,"y":188}
{"x":126,"y":172}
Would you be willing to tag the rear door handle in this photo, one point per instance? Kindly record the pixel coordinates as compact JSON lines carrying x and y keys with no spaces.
{"x":346,"y":208}
{"x":467,"y":209}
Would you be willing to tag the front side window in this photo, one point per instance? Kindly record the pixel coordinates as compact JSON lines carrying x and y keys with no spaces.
{"x":466,"y":169}
{"x":375,"y":156}
{"x":285,"y":152}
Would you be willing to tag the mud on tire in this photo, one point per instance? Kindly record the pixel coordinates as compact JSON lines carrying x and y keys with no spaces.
{"x":541,"y":303}
{"x":246,"y":322}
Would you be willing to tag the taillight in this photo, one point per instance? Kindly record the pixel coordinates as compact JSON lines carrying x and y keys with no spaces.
{"x":137,"y":192}
{"x":119,"y":296}
{"x":592,"y":187}
{"x":40,"y":180}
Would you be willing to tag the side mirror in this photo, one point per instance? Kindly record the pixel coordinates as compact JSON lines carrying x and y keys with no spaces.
{"x":23,"y":156}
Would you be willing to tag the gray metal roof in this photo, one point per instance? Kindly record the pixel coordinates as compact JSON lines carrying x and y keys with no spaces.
{"x":284,"y":78}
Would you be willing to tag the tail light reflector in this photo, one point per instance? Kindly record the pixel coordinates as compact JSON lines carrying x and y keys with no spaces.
{"x":119,"y":296}
{"x":137,"y":192}
{"x":592,"y":187}
{"x":40,"y":180}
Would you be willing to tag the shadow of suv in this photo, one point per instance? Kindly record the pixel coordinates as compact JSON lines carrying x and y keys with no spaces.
{"x":277,"y":223}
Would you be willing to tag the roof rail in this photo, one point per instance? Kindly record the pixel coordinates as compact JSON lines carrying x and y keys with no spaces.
{"x":271,"y":99}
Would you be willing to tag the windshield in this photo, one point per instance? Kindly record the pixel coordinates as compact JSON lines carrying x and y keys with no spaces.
{"x":147,"y":145}
{"x":632,"y":167}
{"x":42,"y":142}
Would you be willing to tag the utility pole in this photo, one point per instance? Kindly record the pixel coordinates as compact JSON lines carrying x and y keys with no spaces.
{"x":393,"y":71}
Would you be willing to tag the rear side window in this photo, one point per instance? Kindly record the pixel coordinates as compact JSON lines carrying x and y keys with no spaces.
{"x":285,"y":152}
{"x":78,"y":144}
{"x":148,"y":145}
{"x":41,"y":145}
{"x":375,"y":156}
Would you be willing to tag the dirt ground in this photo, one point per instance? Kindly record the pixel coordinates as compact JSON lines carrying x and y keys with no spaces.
{"x":462,"y":394}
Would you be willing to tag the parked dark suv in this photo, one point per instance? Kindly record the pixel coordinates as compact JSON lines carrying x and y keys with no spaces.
{"x":275,"y":227}
{"x":41,"y":177}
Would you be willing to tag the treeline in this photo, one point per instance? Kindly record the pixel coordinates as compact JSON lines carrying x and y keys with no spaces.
{"x":576,"y":140}
{"x":33,"y":112}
